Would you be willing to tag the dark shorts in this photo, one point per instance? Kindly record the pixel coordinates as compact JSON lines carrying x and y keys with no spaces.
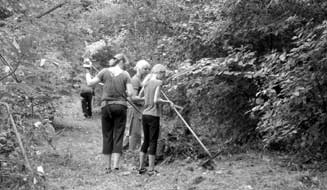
{"x":113,"y":126}
{"x":151,"y":127}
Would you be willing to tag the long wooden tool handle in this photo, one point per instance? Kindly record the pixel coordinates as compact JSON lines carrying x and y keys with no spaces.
{"x":187,"y":125}
{"x":133,"y":105}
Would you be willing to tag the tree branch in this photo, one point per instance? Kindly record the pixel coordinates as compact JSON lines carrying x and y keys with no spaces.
{"x":27,"y":163}
{"x":51,"y":10}
{"x":12,"y":70}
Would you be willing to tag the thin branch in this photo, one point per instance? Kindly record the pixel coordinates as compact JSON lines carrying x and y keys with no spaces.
{"x":12,"y":70}
{"x":18,"y":136}
{"x":51,"y":10}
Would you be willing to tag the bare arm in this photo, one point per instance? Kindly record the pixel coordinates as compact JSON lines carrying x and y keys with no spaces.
{"x":130,"y":90}
{"x":136,"y":97}
{"x":157,"y":98}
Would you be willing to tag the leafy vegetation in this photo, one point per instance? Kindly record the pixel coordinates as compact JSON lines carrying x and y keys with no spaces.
{"x":35,"y":72}
{"x":247,"y":70}
{"x":290,"y":45}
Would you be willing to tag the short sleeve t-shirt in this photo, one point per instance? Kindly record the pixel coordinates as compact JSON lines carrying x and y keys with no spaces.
{"x":151,"y":108}
{"x":114,"y":88}
{"x":136,"y":83}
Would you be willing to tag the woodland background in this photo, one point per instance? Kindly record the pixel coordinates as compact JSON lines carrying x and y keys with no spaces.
{"x":249,"y":72}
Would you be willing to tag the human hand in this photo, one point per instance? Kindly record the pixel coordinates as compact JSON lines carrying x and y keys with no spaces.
{"x":138,"y":99}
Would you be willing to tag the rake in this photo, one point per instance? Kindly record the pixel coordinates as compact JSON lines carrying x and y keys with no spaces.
{"x":188,"y":126}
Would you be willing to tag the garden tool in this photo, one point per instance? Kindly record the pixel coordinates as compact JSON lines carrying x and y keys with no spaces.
{"x":188,"y":126}
{"x":209,"y":164}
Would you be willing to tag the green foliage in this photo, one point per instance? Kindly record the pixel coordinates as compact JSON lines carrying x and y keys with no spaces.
{"x":195,"y":37}
{"x":244,"y":66}
{"x":295,"y":89}
{"x":135,"y":27}
{"x":267,"y":25}
{"x":44,"y":51}
{"x":220,"y":93}
{"x":287,"y":52}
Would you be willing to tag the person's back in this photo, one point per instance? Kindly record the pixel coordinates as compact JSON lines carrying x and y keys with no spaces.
{"x":114,"y":88}
{"x":150,"y":107}
{"x":117,"y":87}
{"x":151,"y":116}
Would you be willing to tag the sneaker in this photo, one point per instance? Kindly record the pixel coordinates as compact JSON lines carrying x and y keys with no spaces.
{"x":142,"y":171}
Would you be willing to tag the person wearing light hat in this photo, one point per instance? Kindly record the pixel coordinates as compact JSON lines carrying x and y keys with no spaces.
{"x":151,"y":116}
{"x":116,"y":88}
{"x":86,"y":94}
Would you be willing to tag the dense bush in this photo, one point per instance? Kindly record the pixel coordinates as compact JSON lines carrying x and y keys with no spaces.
{"x":287,"y":50}
{"x":295,"y":91}
{"x":220,"y":93}
{"x":291,"y":45}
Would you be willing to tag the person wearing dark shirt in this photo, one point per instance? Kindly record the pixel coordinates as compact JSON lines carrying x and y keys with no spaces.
{"x":116,"y":88}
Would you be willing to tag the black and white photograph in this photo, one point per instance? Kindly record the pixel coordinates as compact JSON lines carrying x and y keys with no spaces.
{"x":163,"y":94}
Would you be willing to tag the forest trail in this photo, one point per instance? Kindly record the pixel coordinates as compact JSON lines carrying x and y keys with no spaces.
{"x":77,"y":164}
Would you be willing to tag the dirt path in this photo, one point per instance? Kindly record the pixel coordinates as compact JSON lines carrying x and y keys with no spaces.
{"x":77,"y":164}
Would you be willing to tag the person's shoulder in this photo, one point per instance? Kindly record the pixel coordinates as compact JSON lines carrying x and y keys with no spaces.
{"x":135,"y":78}
{"x":126,"y":74}
{"x":154,"y":82}
{"x":104,"y":70}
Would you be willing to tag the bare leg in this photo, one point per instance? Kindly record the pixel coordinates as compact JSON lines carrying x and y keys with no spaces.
{"x":142,"y":156}
{"x":131,"y":143}
{"x":152,"y":159}
{"x":116,"y":158}
{"x":107,"y":158}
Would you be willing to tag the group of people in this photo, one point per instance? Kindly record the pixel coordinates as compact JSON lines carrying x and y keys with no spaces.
{"x":136,"y":98}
